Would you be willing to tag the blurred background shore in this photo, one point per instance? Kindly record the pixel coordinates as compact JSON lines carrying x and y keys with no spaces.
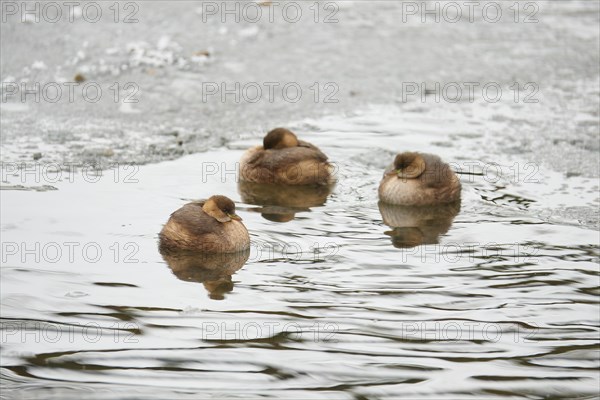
{"x":163,"y":69}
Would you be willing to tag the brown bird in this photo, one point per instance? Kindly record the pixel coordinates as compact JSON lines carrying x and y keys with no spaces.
{"x":285,"y":160}
{"x":210,"y":226}
{"x":419,"y":179}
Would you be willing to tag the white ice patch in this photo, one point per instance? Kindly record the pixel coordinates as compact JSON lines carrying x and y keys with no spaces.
{"x":76,"y":12}
{"x":127,"y":108}
{"x":141,"y":54}
{"x":249,"y":32}
{"x":163,"y":43}
{"x":28,"y":19}
{"x":38,"y":65}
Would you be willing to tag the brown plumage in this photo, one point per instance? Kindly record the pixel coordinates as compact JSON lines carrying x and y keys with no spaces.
{"x":285,"y":160}
{"x":210,"y":226}
{"x":418,"y":179}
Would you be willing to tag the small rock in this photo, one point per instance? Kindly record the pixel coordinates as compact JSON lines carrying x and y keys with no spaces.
{"x":37,"y":156}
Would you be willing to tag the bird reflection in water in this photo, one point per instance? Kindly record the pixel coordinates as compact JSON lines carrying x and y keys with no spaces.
{"x":213,"y":270}
{"x":417,"y":225}
{"x":280,"y":203}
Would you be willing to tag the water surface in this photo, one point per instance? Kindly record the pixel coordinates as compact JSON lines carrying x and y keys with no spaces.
{"x":497,"y":299}
{"x":505,"y":305}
